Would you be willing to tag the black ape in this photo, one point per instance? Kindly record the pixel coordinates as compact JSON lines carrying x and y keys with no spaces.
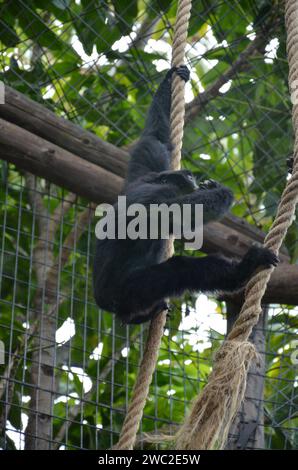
{"x":131,"y":277}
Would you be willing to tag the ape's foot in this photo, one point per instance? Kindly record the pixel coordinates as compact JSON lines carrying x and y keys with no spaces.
{"x":290,"y":163}
{"x":260,"y":256}
{"x":256,"y":258}
{"x":183,"y":72}
{"x":265,"y":257}
{"x":159,"y":307}
{"x":169,"y":310}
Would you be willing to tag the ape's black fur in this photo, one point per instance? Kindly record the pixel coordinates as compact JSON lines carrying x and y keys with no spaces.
{"x":131,"y":277}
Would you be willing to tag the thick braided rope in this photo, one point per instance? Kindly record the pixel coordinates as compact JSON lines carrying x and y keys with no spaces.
{"x":141,"y":389}
{"x":178,"y":103}
{"x":215,"y":408}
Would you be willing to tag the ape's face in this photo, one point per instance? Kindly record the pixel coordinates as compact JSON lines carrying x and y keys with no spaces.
{"x":183,"y":181}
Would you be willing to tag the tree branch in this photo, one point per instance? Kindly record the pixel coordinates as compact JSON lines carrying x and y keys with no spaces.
{"x":60,"y":212}
{"x":199,"y":102}
{"x":39,"y":120}
{"x":78,"y":229}
{"x":102,"y":377}
{"x":42,"y":373}
{"x":32,"y":153}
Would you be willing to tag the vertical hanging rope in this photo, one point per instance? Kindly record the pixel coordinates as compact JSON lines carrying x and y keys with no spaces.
{"x":141,"y":389}
{"x":212,"y":413}
{"x":178,"y":102}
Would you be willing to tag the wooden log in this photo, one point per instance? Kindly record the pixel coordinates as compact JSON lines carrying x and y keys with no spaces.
{"x":283,"y":285}
{"x":282,"y":288}
{"x":32,"y":153}
{"x":39,"y":120}
{"x":233,"y":238}
{"x":243,"y":227}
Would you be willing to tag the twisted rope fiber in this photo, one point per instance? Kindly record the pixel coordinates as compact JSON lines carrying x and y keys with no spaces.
{"x":141,"y":389}
{"x":214,"y":409}
{"x":178,"y":102}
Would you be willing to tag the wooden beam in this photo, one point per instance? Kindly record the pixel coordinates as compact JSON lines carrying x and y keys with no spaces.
{"x":233,"y":237}
{"x":32,"y":153}
{"x":283,"y":285}
{"x":36,"y":118}
{"x":282,"y":288}
{"x":243,"y":227}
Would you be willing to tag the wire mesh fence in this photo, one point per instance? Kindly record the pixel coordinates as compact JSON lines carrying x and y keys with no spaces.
{"x":69,"y":368}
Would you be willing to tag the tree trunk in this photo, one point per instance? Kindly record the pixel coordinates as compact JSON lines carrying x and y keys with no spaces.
{"x":39,"y":430}
{"x":247,"y":431}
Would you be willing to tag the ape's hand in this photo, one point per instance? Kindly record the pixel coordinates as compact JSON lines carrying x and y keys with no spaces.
{"x":209,"y":184}
{"x":183,"y":72}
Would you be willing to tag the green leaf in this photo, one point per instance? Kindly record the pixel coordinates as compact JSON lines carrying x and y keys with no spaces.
{"x":8,"y":36}
{"x":96,"y":26}
{"x":126,"y":13}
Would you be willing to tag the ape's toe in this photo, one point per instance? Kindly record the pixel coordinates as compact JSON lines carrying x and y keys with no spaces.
{"x":264,"y":256}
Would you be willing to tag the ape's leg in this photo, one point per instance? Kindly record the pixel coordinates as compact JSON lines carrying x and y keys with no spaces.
{"x":144,"y":315}
{"x":145,"y":288}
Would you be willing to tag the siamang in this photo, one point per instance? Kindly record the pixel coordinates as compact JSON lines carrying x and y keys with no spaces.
{"x":131,"y":277}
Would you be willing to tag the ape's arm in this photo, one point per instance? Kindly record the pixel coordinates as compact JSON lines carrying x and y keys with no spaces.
{"x":158,"y":118}
{"x":215,"y":198}
{"x":152,"y":150}
{"x":147,"y":287}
